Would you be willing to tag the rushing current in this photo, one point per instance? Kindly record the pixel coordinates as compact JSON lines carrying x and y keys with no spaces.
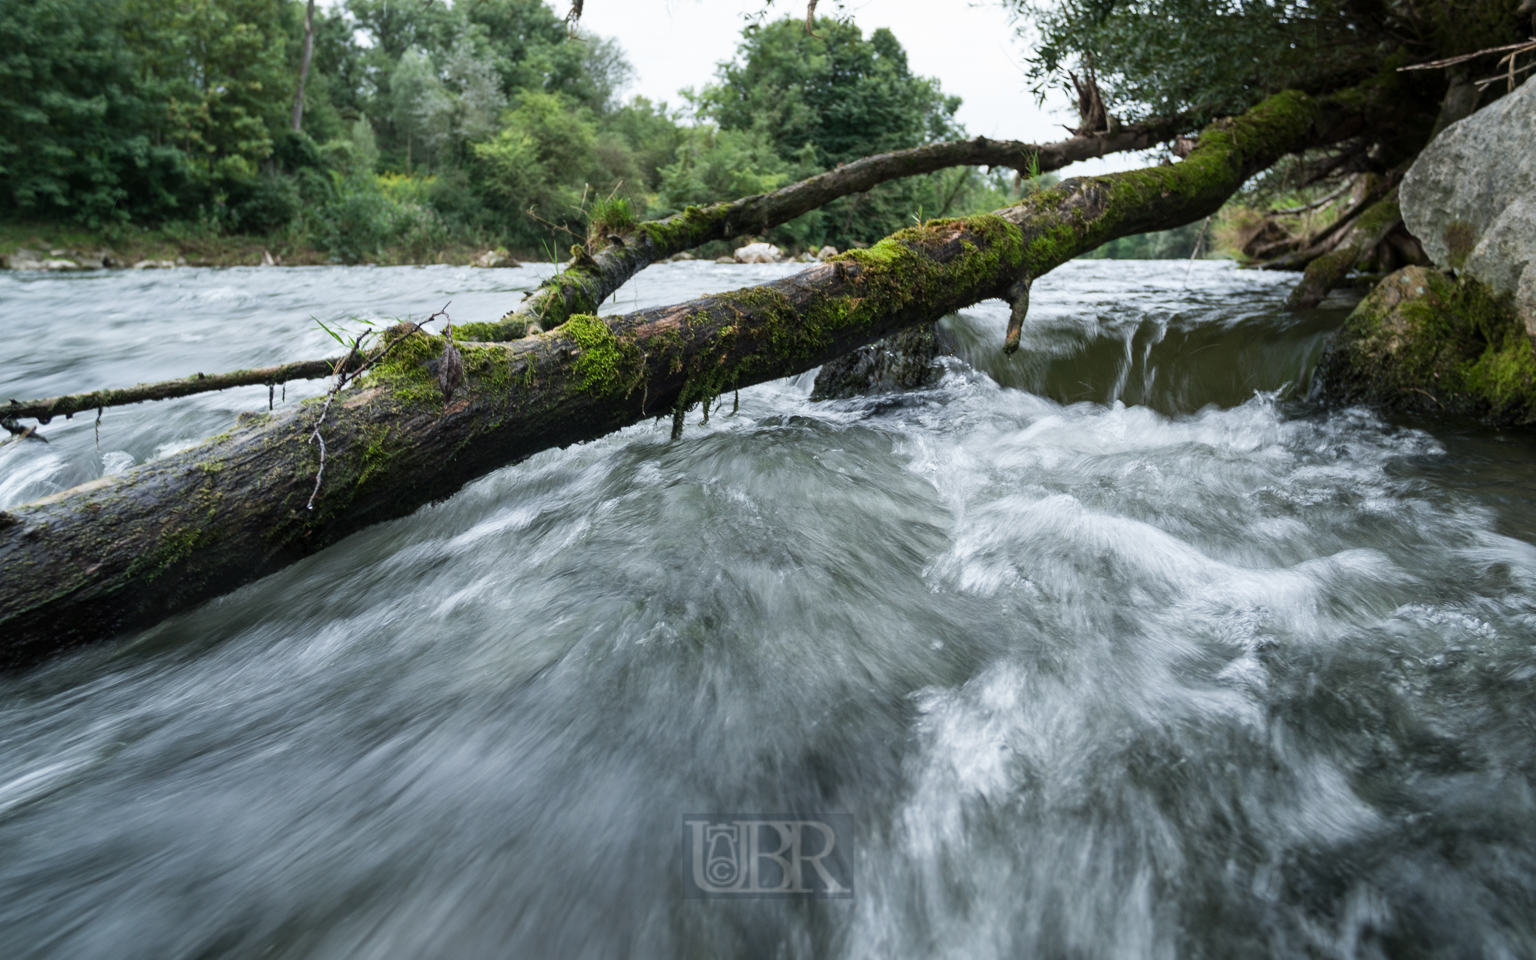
{"x":1119,"y":648}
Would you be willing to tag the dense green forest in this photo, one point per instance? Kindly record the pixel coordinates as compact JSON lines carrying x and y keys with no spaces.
{"x":427,"y":125}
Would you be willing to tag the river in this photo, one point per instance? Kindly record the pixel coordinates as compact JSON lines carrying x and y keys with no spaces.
{"x":1119,"y":648}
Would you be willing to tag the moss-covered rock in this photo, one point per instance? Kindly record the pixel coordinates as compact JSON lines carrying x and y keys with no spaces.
{"x":1423,"y":341}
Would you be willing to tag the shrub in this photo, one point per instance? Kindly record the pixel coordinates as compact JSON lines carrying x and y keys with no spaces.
{"x":272,"y":203}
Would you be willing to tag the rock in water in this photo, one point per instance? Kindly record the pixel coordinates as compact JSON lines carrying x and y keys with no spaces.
{"x":1424,"y":342}
{"x":759,"y":253}
{"x":902,"y":361}
{"x":492,"y":259}
{"x":1470,"y":198}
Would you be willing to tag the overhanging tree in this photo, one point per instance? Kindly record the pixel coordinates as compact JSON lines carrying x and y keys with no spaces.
{"x":1207,"y":57}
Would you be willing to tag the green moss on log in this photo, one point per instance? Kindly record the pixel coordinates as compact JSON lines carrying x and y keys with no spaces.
{"x":608,"y":365}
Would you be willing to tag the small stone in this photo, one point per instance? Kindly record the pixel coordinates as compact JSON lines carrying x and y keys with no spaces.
{"x":759,"y":253}
{"x":492,"y":259}
{"x":902,"y":361}
{"x":725,"y":259}
{"x":24,"y":259}
{"x":825,"y":252}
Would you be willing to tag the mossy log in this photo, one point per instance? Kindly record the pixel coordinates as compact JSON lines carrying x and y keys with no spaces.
{"x":127,"y":550}
{"x":624,"y":251}
{"x":592,"y":277}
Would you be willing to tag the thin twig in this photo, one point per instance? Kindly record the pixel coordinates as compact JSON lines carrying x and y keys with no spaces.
{"x":1520,"y":47}
{"x":46,"y":409}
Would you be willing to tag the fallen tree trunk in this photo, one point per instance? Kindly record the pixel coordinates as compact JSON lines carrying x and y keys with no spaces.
{"x":591,"y":278}
{"x":127,"y":550}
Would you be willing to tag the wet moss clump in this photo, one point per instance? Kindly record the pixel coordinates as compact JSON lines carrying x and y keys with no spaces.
{"x":1425,"y":342}
{"x":608,"y":365}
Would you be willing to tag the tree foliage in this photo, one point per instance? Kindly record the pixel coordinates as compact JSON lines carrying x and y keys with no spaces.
{"x":1214,"y":57}
{"x":845,"y":95}
{"x":793,"y":103}
{"x":426,"y":120}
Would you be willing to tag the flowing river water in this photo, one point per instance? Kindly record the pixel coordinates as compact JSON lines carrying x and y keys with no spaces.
{"x":1118,"y":648}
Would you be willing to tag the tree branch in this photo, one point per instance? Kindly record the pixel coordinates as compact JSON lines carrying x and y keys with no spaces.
{"x":591,"y":279}
{"x":70,"y":404}
{"x":1328,"y":270}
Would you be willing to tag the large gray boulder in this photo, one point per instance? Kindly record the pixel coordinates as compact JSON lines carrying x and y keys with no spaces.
{"x":1470,"y":198}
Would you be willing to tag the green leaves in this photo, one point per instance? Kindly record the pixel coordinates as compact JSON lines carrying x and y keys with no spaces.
{"x":1218,"y":57}
{"x":846,"y":96}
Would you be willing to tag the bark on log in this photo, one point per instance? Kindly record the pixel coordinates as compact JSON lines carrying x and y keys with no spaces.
{"x":127,"y":550}
{"x":589,"y":280}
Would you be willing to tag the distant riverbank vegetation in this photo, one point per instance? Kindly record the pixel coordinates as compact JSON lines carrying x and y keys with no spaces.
{"x":429,"y":131}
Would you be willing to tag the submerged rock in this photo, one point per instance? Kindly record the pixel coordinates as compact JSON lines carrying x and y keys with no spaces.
{"x":1422,"y":341}
{"x":1470,"y":198}
{"x":902,"y":361}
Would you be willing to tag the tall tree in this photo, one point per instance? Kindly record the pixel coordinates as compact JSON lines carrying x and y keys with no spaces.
{"x":309,"y":50}
{"x":846,"y":96}
{"x":820,"y":100}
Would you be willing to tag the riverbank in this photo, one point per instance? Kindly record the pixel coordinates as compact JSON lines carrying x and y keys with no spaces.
{"x":23,"y":244}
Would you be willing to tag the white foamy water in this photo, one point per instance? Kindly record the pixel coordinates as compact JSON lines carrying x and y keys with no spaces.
{"x":1119,"y":648}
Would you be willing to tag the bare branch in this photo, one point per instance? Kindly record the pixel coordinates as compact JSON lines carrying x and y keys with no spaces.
{"x":70,"y":404}
{"x":1521,"y":47}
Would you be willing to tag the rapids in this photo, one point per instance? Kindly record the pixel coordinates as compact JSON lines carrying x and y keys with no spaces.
{"x":1118,"y":648}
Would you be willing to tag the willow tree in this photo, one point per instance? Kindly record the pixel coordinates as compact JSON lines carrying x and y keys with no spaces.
{"x":414,"y":416}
